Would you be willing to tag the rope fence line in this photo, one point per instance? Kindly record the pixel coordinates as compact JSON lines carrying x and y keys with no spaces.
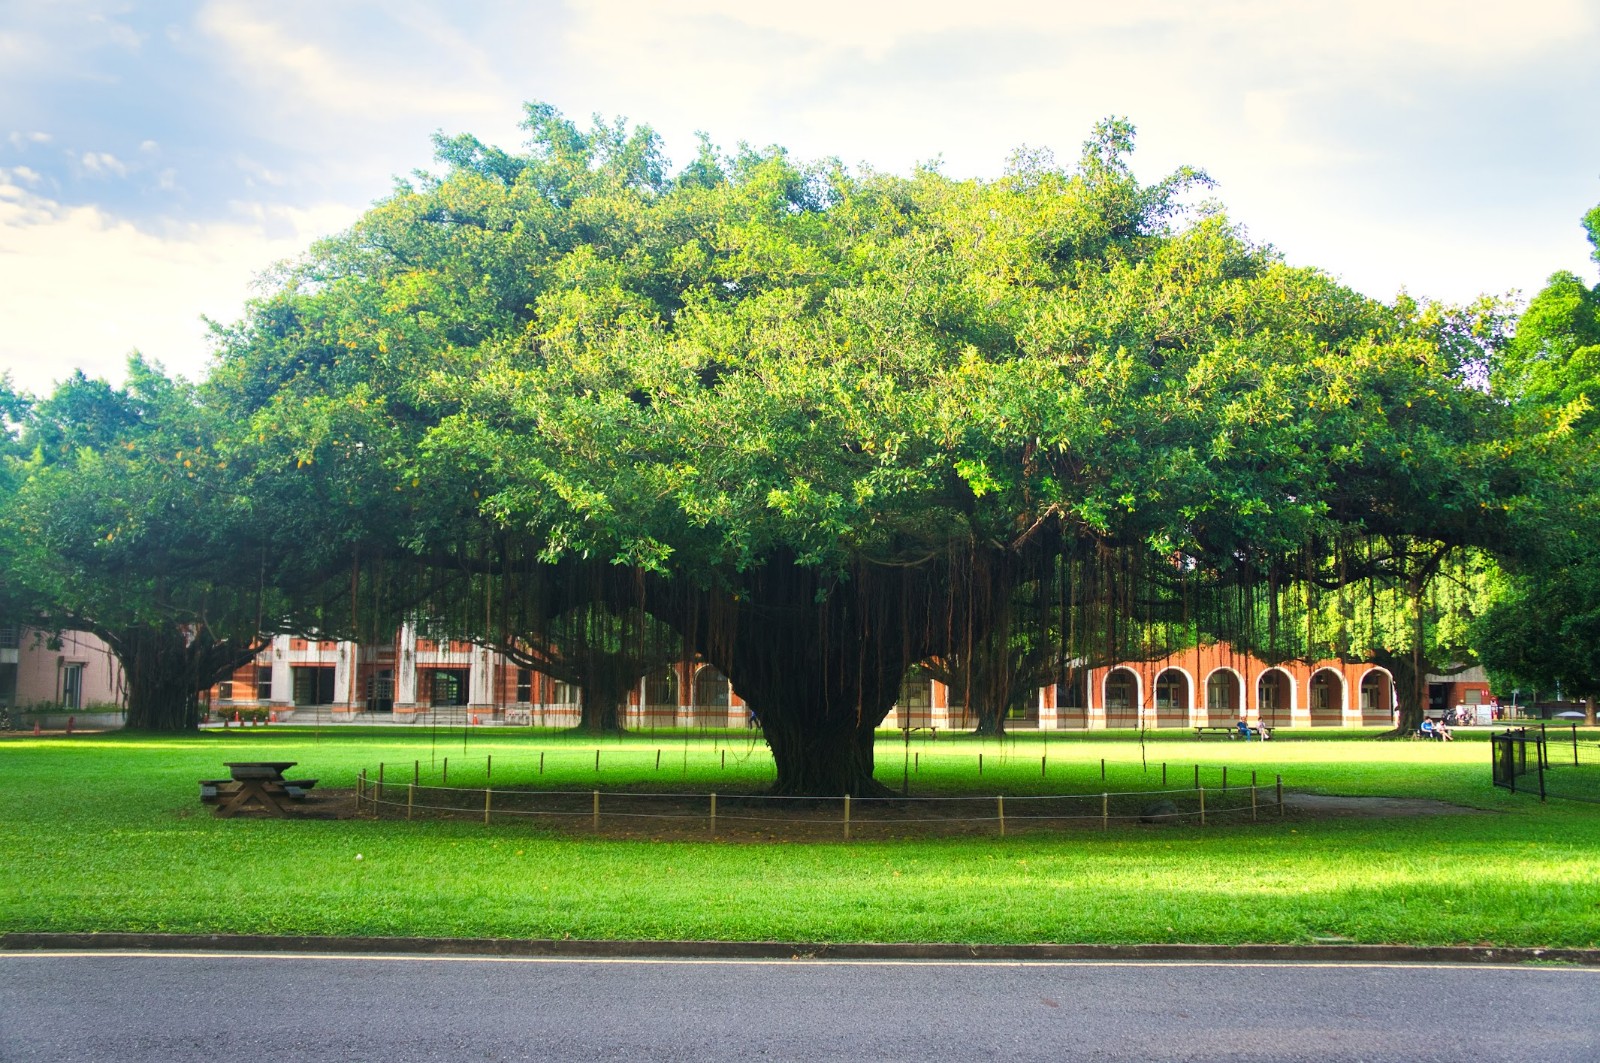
{"x":377,"y":797}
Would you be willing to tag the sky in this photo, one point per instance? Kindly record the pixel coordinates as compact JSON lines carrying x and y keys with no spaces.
{"x":157,"y":159}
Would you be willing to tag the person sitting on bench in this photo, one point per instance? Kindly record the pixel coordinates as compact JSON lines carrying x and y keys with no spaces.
{"x":1426,"y":730}
{"x":1244,"y":729}
{"x":1441,"y":731}
{"x":1262,"y":732}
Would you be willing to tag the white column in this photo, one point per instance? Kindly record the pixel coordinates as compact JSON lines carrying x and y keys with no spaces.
{"x":282,"y":677}
{"x":344,"y":670}
{"x":480,"y":679}
{"x":405,"y":667}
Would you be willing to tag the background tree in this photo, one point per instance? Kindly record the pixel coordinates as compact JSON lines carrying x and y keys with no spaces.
{"x":121,"y":524}
{"x":1544,"y":626}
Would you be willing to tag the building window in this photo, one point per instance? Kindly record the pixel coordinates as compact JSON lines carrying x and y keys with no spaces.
{"x":10,"y":636}
{"x":225,"y":690}
{"x":1120,"y":691}
{"x":8,"y":684}
{"x":565,"y":694}
{"x":524,"y":685}
{"x":72,"y":686}
{"x":263,"y":682}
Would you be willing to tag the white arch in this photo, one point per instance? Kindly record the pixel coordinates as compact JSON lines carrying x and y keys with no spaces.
{"x":1238,"y":677}
{"x":1181,"y":670}
{"x":1138,"y":686}
{"x":1344,"y":687}
{"x":694,"y":686}
{"x":1380,"y":670}
{"x":1294,"y":688}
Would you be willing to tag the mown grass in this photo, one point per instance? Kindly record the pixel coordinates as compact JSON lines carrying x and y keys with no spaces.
{"x":105,"y":833}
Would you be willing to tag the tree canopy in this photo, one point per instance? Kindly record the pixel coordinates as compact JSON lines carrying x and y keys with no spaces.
{"x":818,"y":425}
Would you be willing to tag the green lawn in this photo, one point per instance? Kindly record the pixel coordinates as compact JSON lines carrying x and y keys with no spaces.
{"x":106,"y":833}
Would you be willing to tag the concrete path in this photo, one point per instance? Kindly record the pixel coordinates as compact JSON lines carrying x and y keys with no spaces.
{"x":133,"y":1008}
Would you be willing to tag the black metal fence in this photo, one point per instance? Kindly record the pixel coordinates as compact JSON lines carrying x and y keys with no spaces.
{"x":1549,"y":763}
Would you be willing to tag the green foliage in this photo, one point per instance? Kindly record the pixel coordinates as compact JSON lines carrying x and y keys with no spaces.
{"x":1544,"y":626}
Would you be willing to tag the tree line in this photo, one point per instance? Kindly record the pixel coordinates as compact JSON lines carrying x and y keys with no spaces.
{"x":819,"y":426}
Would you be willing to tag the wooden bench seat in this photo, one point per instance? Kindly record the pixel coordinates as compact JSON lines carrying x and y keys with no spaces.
{"x":1224,"y":732}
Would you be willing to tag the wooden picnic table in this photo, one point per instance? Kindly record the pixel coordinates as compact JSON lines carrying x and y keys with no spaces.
{"x":255,"y":786}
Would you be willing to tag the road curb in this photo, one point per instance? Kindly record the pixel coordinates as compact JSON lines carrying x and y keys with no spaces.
{"x":768,"y":950}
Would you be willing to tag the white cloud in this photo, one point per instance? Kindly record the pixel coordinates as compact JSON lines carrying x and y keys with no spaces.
{"x":101,"y":163}
{"x":21,"y":140}
{"x":316,"y":75}
{"x":83,"y":289}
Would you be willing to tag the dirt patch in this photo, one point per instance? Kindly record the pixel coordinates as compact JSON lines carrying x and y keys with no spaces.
{"x":756,"y":819}
{"x":1323,"y":806}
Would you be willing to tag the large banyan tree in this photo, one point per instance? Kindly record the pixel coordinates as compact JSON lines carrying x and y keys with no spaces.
{"x":818,"y":426}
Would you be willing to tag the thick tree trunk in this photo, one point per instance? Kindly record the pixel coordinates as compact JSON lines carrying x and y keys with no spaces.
{"x":604,"y":689}
{"x":1410,"y":688}
{"x":166,"y":669}
{"x":821,"y":665}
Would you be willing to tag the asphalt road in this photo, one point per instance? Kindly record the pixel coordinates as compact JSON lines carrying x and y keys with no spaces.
{"x":133,"y":1008}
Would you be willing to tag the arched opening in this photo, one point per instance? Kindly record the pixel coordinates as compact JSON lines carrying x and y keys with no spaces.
{"x":1377,"y":699}
{"x":1172,"y":699}
{"x":1223,"y":701}
{"x":1327,"y":698}
{"x":661,"y":697}
{"x":1122,"y":698}
{"x":712,"y":696}
{"x":662,"y":688}
{"x":1273,"y":699}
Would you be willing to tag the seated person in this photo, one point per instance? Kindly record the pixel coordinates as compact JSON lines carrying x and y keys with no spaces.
{"x":1426,"y":730}
{"x":1263,"y":732}
{"x":1441,"y":731}
{"x":1244,"y":728}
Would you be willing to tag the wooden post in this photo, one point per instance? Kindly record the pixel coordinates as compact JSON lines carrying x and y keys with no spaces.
{"x":1224,"y":776}
{"x":416,"y":772}
{"x":597,"y":810}
{"x":713,"y":815}
{"x":488,"y":767}
{"x":1105,"y":811}
{"x":846,"y":817}
{"x":445,"y":779}
{"x":916,"y":762}
{"x":411,"y":797}
{"x":487,"y":796}
{"x":1000,"y":799}
{"x":1252,"y":801}
{"x":1202,"y":791}
{"x":1197,"y":776}
{"x":541,"y":762}
{"x":1041,"y":765}
{"x":361,"y":785}
{"x":658,"y":760}
{"x":597,"y":759}
{"x":380,"y":782}
{"x":1102,"y":769}
{"x":980,"y":763}
{"x":1280,"y":795}
{"x":1163,"y":774}
{"x":724,"y":760}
